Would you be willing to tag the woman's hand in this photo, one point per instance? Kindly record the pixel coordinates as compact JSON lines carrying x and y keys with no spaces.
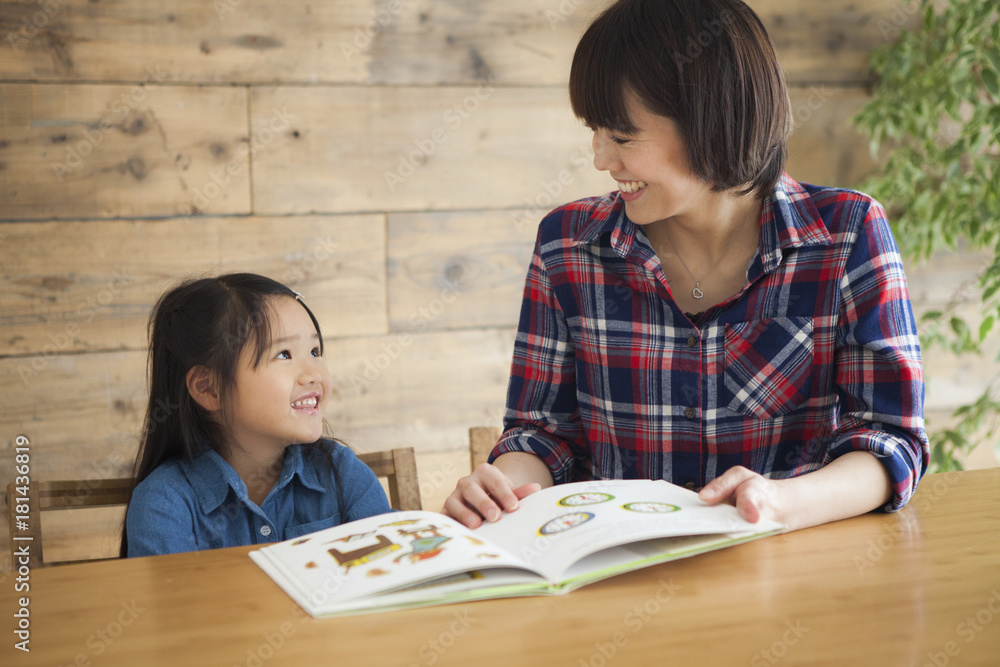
{"x":753,"y":495}
{"x":850,"y":485}
{"x":493,"y":489}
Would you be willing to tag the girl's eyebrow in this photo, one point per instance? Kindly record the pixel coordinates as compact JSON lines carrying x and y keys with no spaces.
{"x":288,"y":339}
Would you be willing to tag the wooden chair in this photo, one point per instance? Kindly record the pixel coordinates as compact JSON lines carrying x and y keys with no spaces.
{"x":481,"y":442}
{"x":56,"y":495}
{"x":399,"y":466}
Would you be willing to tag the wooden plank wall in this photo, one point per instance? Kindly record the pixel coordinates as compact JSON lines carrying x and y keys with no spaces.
{"x":389,"y":159}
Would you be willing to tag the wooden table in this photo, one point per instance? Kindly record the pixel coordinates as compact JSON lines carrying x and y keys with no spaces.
{"x":920,"y":587}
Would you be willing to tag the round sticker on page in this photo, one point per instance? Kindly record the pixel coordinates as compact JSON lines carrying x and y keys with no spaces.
{"x":565,"y":522}
{"x":578,"y":499}
{"x":650,"y":507}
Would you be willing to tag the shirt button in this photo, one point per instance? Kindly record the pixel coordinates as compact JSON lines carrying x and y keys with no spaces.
{"x":265,"y":530}
{"x":689,"y":486}
{"x":690,"y":413}
{"x":692,"y":341}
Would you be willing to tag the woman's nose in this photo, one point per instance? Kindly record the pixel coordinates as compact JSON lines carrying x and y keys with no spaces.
{"x":605,"y":155}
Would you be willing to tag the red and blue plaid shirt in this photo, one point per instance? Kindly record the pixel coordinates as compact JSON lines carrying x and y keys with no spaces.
{"x":816,"y":356}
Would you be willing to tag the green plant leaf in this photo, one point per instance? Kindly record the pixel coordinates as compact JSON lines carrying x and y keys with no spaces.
{"x":985,"y":327}
{"x":934,"y":116}
{"x":992,"y":83}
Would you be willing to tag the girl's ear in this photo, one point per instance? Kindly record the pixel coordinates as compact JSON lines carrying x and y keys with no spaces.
{"x":201,"y":387}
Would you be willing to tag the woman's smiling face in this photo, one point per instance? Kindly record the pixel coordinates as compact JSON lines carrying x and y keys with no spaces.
{"x":650,"y":166}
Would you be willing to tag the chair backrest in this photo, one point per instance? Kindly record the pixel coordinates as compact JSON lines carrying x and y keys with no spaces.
{"x":481,"y":442}
{"x":399,"y":467}
{"x":25,"y":527}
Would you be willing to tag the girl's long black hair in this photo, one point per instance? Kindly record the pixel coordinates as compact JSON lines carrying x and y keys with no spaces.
{"x":205,"y":322}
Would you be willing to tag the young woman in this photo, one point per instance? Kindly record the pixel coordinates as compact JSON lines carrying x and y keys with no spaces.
{"x":713,"y":322}
{"x":232,"y":451}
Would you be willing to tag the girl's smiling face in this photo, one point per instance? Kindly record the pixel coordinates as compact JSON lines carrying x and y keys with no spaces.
{"x":281,"y":402}
{"x":650,"y":166}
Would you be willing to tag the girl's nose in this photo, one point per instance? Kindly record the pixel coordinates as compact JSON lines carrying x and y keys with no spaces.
{"x":605,"y":155}
{"x":310,"y":373}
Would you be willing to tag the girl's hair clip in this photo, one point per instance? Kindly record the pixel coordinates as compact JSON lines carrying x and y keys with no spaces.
{"x":297,"y":296}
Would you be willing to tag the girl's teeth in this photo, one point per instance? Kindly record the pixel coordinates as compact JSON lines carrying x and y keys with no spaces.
{"x":631,"y":186}
{"x":305,"y":403}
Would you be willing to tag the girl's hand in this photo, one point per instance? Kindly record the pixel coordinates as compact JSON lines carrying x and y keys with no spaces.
{"x":753,"y":495}
{"x":485,"y":494}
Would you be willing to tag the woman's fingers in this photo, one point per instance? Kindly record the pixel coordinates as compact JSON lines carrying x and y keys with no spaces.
{"x":484,"y":494}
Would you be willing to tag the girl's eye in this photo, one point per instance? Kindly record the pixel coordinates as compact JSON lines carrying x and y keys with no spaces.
{"x":316,"y":352}
{"x":284,"y":354}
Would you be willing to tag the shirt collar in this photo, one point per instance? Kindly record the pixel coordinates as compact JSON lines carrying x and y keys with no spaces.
{"x":790,"y":220}
{"x":206,"y":471}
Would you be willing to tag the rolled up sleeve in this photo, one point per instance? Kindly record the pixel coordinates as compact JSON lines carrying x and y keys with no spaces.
{"x":879,"y":375}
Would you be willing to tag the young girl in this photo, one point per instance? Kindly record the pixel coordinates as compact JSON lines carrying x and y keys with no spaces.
{"x":232,"y":450}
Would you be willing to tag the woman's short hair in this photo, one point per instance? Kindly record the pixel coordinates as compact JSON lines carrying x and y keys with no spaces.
{"x":709,"y":65}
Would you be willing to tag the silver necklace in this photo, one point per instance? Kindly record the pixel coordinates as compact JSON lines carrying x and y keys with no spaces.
{"x":696,"y":292}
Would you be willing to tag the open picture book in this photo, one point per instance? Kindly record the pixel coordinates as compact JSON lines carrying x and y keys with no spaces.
{"x":559,"y":539}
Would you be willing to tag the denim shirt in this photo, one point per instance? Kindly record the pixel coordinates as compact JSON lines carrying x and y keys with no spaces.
{"x":204,"y":504}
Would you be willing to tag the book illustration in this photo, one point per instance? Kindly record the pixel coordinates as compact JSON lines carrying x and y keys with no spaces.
{"x":565,"y":522}
{"x":382,"y":546}
{"x":650,"y":507}
{"x":427,"y":542}
{"x":578,"y":499}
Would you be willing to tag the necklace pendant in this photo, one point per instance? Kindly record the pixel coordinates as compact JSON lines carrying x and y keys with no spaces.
{"x":697,"y":293}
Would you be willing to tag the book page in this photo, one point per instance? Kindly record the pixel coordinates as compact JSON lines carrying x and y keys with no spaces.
{"x":375,"y":555}
{"x":560,"y":525}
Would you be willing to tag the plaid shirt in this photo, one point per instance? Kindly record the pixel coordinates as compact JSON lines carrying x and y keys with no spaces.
{"x":816,"y":356}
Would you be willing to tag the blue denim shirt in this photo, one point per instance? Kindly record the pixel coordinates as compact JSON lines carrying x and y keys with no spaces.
{"x":204,"y":504}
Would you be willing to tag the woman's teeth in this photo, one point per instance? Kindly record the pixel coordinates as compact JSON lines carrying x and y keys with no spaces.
{"x":629,"y":187}
{"x":306,"y":403}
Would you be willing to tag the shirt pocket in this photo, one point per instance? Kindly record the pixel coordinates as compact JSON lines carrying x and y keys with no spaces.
{"x":769,"y":366}
{"x":305,"y":528}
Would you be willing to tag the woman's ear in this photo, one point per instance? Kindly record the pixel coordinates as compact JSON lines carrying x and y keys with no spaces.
{"x":201,"y":386}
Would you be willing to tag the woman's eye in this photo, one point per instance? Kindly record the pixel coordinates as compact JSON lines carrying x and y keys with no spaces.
{"x":620,"y":140}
